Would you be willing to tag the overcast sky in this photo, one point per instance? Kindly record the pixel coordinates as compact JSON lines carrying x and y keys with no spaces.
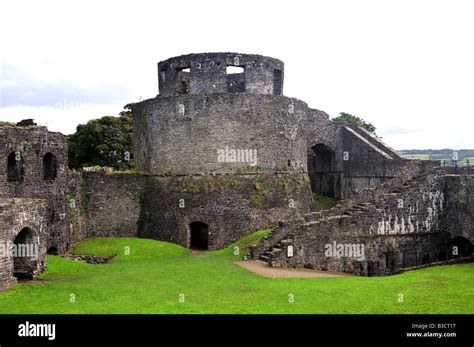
{"x":405,"y":66}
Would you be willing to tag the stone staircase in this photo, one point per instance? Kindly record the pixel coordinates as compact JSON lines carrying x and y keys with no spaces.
{"x":372,"y":202}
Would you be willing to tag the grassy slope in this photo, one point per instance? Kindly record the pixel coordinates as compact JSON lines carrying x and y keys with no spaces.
{"x":322,"y":202}
{"x":153,"y":276}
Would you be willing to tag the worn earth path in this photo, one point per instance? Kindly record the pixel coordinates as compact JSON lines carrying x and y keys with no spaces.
{"x":263,"y":269}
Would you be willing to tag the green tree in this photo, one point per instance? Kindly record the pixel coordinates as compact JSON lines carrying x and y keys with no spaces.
{"x":107,"y":141}
{"x":349,"y":118}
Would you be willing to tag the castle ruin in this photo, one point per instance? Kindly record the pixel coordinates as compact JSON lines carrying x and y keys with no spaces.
{"x":221,"y":153}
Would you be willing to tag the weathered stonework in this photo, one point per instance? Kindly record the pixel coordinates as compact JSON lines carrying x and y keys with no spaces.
{"x":38,"y":150}
{"x":22,"y":216}
{"x":459,"y":217}
{"x":232,"y":205}
{"x":200,"y":112}
{"x":113,"y":203}
{"x":222,"y":154}
{"x":400,"y":226}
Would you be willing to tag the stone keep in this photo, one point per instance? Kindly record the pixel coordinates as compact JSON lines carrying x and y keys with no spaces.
{"x":186,"y":138}
{"x":220,"y":153}
{"x":204,"y":109}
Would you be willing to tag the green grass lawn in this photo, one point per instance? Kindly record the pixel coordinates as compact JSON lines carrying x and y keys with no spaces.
{"x":155,"y":274}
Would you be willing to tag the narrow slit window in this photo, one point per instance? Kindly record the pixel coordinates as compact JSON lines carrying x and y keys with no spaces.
{"x":277,"y":82}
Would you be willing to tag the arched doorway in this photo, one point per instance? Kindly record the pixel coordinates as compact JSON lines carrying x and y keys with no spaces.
{"x":199,"y":235}
{"x":52,"y":251}
{"x":25,"y":254}
{"x":459,"y":247}
{"x":15,"y":167}
{"x":50,"y":167}
{"x":322,"y":171}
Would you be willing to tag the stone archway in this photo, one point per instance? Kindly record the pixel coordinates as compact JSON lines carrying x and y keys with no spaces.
{"x":199,"y":233}
{"x":52,"y":251}
{"x":25,"y":255}
{"x":459,"y":247}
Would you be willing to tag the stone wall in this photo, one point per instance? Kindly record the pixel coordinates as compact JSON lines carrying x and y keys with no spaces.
{"x":206,"y":74}
{"x":231,"y":205}
{"x":362,"y":149}
{"x":202,"y":112}
{"x":186,"y":143}
{"x":77,"y":204}
{"x":459,"y":216}
{"x":183,"y":135}
{"x":39,"y":160}
{"x":338,"y":157}
{"x":112,"y":203}
{"x":400,"y":226}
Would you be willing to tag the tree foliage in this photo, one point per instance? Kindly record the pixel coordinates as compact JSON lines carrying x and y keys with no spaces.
{"x":107,"y":141}
{"x":349,"y":118}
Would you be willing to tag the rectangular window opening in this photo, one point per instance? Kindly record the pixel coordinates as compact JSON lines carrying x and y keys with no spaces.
{"x":277,"y":82}
{"x":182,"y":86}
{"x":231,"y":70}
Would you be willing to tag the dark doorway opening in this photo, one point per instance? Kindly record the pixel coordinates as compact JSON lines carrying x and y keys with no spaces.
{"x":459,"y":247}
{"x":322,"y":171}
{"x":50,"y":167}
{"x":52,"y":251}
{"x":24,"y":261}
{"x":199,"y":235}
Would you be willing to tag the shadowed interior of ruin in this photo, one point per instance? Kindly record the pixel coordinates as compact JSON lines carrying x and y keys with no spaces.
{"x":50,"y":164}
{"x":15,"y":169}
{"x":459,"y":247}
{"x":322,"y":170}
{"x":23,"y":266}
{"x":53,"y":251}
{"x":199,"y":235}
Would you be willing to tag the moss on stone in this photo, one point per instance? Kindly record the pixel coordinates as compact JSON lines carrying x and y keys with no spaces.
{"x":140,"y":196}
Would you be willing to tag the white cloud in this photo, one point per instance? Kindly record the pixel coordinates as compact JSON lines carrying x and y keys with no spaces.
{"x":64,"y":117}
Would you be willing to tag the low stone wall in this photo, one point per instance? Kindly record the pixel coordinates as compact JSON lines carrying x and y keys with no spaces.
{"x":331,"y":246}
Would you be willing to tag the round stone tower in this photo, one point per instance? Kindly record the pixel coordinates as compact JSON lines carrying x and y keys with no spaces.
{"x":225,"y":151}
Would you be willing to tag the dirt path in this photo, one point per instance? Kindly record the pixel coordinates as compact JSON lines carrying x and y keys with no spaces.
{"x":197,"y":251}
{"x":263,"y":269}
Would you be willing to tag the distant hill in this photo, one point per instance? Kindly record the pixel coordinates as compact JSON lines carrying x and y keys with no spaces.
{"x":446,"y":154}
